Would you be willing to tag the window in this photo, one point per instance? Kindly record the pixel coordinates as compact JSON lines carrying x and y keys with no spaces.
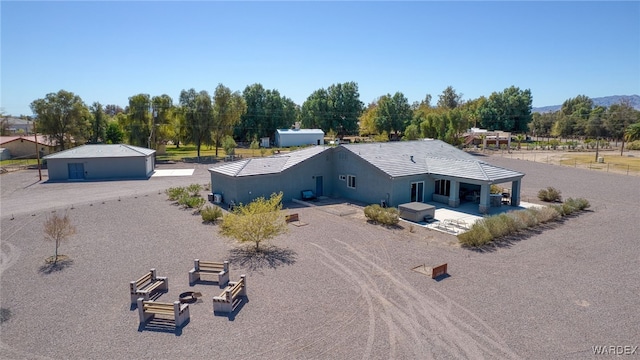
{"x":342,"y":177}
{"x":417,"y":191}
{"x":443,"y":187}
{"x":351,"y":181}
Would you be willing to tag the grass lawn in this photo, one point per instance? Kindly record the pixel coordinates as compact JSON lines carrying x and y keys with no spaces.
{"x":189,"y":151}
{"x":19,"y":162}
{"x":611,"y":161}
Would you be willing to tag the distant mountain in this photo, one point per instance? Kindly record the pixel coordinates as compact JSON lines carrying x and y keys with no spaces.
{"x":606,"y":101}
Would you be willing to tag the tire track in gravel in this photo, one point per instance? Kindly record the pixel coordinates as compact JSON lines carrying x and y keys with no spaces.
{"x":457,"y":336}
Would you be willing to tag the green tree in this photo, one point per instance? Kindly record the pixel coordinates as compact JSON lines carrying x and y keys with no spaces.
{"x":162,"y":120}
{"x":255,"y":222}
{"x":254,"y":146}
{"x":197,"y":110}
{"x":229,"y":145}
{"x":338,"y":107}
{"x":619,"y":117}
{"x":632,"y":133}
{"x":449,"y":99}
{"x":411,"y":133}
{"x":509,"y":110}
{"x":367,"y":120}
{"x":99,"y":123}
{"x":139,"y":117}
{"x":113,"y":134}
{"x":61,"y":116}
{"x":228,"y":107}
{"x":394,"y":113}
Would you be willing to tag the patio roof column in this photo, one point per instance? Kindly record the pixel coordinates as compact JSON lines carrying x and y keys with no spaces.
{"x":454,"y":194}
{"x":515,"y":192}
{"x":484,"y":198}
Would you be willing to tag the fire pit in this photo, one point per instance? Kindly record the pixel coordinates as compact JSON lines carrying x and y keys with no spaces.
{"x":189,"y":297}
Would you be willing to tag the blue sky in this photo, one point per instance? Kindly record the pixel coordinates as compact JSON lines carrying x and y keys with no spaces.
{"x":109,"y":51}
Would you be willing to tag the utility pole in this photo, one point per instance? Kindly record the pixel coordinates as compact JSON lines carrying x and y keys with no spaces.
{"x":35,"y":138}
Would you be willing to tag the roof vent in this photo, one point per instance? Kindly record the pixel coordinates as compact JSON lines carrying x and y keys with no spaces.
{"x":412,"y":158}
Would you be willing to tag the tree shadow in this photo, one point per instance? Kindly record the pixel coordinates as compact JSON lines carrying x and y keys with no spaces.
{"x":50,"y":267}
{"x":270,"y":257}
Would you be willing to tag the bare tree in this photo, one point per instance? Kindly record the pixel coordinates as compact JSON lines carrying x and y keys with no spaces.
{"x":58,"y":228}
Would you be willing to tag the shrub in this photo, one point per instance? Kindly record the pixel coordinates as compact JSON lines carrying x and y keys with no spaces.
{"x":378,"y":214}
{"x":211,"y":213}
{"x":495,"y":189}
{"x":579,"y":203}
{"x":549,"y":194}
{"x":633,"y":145}
{"x":192,"y":202}
{"x":478,"y":235}
{"x":194,"y":189}
{"x":547,"y":213}
{"x":175,"y":193}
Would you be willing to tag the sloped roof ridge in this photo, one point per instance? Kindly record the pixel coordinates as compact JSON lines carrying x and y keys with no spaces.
{"x":242,"y":167}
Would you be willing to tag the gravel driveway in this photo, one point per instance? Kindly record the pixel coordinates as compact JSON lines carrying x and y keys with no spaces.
{"x":336,"y":288}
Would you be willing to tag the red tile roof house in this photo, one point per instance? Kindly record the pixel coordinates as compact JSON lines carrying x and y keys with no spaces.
{"x":25,"y":146}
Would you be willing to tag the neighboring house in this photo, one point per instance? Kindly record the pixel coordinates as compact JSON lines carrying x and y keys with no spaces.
{"x":298,"y":137}
{"x":17,"y":126}
{"x":392,"y":173}
{"x":101,"y":162}
{"x":25,"y":146}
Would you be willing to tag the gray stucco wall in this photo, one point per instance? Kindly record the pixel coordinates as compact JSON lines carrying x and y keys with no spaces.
{"x":291,"y":182}
{"x":103,"y":168}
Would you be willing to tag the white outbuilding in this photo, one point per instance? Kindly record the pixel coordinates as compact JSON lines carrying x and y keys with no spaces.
{"x":299,"y":137}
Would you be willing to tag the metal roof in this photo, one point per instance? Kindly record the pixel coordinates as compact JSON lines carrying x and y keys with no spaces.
{"x":427,"y":156}
{"x":268,"y":165}
{"x":101,"y":151}
{"x":396,"y":159}
{"x":299,"y":131}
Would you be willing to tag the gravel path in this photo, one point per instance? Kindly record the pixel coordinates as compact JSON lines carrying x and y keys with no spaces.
{"x":334,"y":288}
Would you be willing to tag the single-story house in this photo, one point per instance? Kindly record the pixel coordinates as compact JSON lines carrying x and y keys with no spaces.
{"x":298,"y":137}
{"x":390,"y":173}
{"x":17,"y":126}
{"x":25,"y":146}
{"x":101,"y":162}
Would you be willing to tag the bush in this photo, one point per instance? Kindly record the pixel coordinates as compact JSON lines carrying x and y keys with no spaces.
{"x":378,"y":214}
{"x":477,"y":236}
{"x":194,"y":189}
{"x":549,"y":194}
{"x":579,"y":203}
{"x":175,"y":193}
{"x":547,"y":213}
{"x":633,"y":145}
{"x":192,"y":202}
{"x":211,"y":213}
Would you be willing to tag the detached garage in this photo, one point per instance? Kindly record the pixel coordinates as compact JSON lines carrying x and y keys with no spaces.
{"x":101,"y":162}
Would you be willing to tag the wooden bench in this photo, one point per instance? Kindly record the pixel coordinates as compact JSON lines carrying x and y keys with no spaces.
{"x":231,"y":297}
{"x":291,"y":218}
{"x":209,"y":267}
{"x":174,"y":312}
{"x":147,"y":285}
